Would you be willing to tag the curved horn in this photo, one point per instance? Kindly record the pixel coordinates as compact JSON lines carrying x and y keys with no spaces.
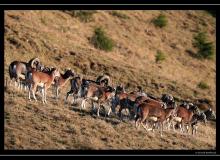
{"x":32,"y":61}
{"x":105,"y":77}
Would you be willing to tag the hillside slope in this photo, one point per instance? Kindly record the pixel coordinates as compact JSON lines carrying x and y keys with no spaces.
{"x":62,"y":40}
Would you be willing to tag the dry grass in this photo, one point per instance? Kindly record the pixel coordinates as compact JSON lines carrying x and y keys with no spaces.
{"x":59,"y":39}
{"x":31,"y":125}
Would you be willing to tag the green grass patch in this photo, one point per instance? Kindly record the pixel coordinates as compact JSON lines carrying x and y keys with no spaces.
{"x":205,"y":48}
{"x":83,"y":15}
{"x":119,"y":15}
{"x":101,"y":41}
{"x":161,"y":21}
{"x":203,"y":85}
{"x":211,"y":12}
{"x":160,"y":56}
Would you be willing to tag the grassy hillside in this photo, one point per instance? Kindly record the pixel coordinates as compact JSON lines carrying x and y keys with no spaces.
{"x":31,"y":125}
{"x":63,"y":39}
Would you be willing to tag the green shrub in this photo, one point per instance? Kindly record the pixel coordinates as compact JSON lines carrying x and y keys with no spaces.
{"x":203,"y":85}
{"x":160,"y":21}
{"x":119,"y":15}
{"x":83,"y":15}
{"x":205,"y":48}
{"x":101,"y":41}
{"x":160,"y":56}
{"x":199,"y":39}
{"x":212,"y":12}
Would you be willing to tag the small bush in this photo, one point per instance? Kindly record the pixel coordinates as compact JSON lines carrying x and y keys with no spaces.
{"x":212,"y":12}
{"x":200,"y":39}
{"x":83,"y":15}
{"x":160,"y":56}
{"x":205,"y":48}
{"x":160,"y":21}
{"x":119,"y":15}
{"x":203,"y":85}
{"x":101,"y":41}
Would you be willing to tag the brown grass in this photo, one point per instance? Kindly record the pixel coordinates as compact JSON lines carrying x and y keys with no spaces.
{"x":59,"y":39}
{"x":31,"y":125}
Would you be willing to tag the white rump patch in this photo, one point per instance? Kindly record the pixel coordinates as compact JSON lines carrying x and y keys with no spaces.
{"x":41,"y":85}
{"x":153,"y":118}
{"x":22,"y":76}
{"x":94,"y":98}
{"x":177,"y":119}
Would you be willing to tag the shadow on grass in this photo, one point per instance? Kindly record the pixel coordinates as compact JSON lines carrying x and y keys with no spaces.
{"x":111,"y":119}
{"x":192,"y":54}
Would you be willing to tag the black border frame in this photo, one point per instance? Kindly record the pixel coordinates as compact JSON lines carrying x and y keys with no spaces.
{"x":104,"y":152}
{"x":108,"y":2}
